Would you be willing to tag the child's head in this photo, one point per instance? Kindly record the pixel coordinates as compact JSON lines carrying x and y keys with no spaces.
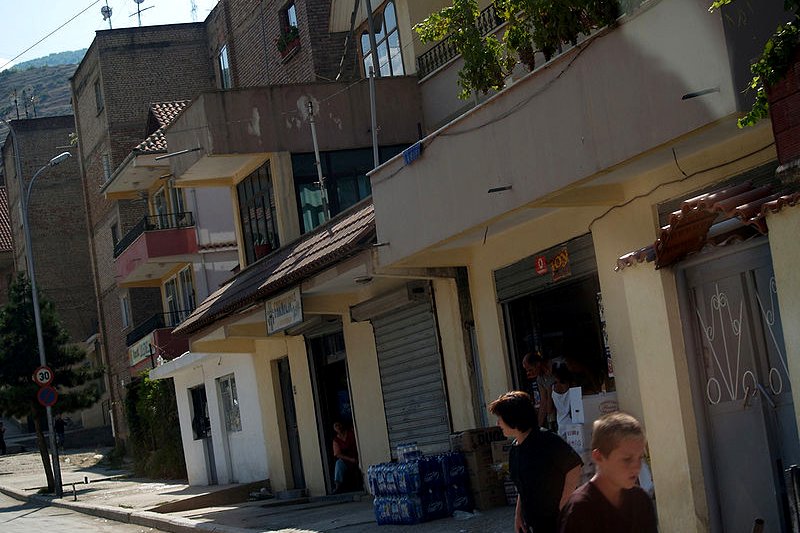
{"x":618,"y":444}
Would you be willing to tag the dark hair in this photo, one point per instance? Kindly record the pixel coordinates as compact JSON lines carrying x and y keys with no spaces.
{"x":516,"y":409}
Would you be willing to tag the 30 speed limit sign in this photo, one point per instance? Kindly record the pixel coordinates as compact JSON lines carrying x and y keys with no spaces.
{"x":43,"y":376}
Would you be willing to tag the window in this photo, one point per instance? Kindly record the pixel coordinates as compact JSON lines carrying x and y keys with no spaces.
{"x":387,"y":40}
{"x":106,"y":167}
{"x":346,"y":180}
{"x":225,"y":81}
{"x":98,"y":96}
{"x":125,"y":309}
{"x":115,"y":233}
{"x":257,"y":214}
{"x":179,"y":297}
{"x":230,"y":403}
{"x":290,"y":16}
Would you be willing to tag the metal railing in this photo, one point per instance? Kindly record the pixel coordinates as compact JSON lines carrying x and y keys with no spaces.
{"x":153,"y":223}
{"x":445,"y":50}
{"x":157,"y":321}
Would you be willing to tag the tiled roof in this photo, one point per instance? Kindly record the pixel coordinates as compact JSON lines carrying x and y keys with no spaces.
{"x":345,"y":235}
{"x":162,"y":114}
{"x":715,"y":218}
{"x":6,"y":244}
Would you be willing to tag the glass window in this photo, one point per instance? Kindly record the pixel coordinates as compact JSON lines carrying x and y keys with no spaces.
{"x":225,"y":81}
{"x":186,"y":283}
{"x":387,"y":39}
{"x":106,"y":167}
{"x":172,"y":301}
{"x":230,"y":403}
{"x":257,"y":214}
{"x":125,"y":309}
{"x":291,"y":15}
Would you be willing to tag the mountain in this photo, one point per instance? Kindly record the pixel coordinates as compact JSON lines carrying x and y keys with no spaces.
{"x":60,"y":58}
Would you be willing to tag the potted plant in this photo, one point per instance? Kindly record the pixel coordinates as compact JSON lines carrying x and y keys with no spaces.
{"x":288,"y":41}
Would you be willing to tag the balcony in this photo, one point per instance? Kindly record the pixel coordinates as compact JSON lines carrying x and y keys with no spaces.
{"x":153,"y":338}
{"x":152,"y":247}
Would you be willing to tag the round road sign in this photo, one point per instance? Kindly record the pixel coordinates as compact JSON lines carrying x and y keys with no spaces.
{"x":47,"y":396}
{"x":43,"y":376}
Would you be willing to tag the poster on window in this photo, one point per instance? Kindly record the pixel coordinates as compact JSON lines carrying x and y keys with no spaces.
{"x":284,"y":311}
{"x":559,"y":265}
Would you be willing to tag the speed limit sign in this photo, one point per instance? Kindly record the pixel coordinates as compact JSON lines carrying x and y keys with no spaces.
{"x":43,"y":376}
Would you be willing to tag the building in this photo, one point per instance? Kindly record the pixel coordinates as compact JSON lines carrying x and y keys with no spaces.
{"x":57,"y":222}
{"x":6,"y":247}
{"x":624,"y":150}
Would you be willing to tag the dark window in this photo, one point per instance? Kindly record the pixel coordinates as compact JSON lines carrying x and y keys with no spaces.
{"x":115,"y":234}
{"x":346,"y":181}
{"x":98,"y":96}
{"x":257,"y":214}
{"x":387,"y":41}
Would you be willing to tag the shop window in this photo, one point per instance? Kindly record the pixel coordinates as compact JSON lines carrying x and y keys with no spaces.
{"x":561,"y":326}
{"x":257,"y":214}
{"x":230,"y":403}
{"x":223,"y":62}
{"x":346,"y":181}
{"x":387,"y":41}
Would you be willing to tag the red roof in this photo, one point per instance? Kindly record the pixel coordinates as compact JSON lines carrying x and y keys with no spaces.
{"x":6,"y":244}
{"x":162,"y":114}
{"x":705,"y":220}
{"x":344,"y":236}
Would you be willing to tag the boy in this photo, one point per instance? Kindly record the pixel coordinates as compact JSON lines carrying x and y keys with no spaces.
{"x":611,"y":500}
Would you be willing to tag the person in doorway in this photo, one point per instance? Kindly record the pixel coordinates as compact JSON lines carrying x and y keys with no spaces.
{"x":540,"y":386}
{"x":544,"y":468}
{"x":611,"y":500}
{"x":560,"y":395}
{"x":346,"y":453}
{"x":2,"y":439}
{"x":58,"y":426}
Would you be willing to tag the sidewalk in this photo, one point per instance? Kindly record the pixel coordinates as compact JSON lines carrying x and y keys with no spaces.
{"x":112,"y":494}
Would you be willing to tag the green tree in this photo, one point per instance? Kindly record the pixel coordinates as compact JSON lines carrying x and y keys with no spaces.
{"x":531,"y":25}
{"x":19,"y":357}
{"x":152,"y":414}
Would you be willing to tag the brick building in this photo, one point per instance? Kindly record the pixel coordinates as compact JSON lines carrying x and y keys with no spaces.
{"x":121,"y":74}
{"x":6,"y":247}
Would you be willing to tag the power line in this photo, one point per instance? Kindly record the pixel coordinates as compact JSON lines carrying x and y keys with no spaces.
{"x":81,"y":12}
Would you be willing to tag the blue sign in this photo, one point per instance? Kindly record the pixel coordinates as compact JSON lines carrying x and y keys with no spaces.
{"x":47,"y":396}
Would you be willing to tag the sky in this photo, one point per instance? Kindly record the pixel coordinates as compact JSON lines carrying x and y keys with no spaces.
{"x":24,"y":22}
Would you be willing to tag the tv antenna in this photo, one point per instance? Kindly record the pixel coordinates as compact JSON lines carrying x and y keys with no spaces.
{"x":106,"y":12}
{"x":139,"y":10}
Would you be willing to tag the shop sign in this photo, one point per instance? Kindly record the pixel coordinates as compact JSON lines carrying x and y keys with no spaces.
{"x":284,"y":311}
{"x":559,"y":265}
{"x":140,"y":350}
{"x":541,"y":264}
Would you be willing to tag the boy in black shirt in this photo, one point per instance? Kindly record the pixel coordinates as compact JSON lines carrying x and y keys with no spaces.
{"x":611,"y":500}
{"x":544,"y":468}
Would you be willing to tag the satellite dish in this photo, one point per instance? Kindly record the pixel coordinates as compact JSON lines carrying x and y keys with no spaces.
{"x":106,"y":12}
{"x":138,"y":1}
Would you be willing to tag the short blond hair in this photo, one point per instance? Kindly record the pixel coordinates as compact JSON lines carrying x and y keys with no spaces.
{"x":611,"y":429}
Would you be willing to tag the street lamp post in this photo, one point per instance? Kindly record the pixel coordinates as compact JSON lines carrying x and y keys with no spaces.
{"x":25,"y":197}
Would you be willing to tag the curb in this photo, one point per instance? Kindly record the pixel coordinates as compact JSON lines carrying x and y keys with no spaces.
{"x":171,"y":524}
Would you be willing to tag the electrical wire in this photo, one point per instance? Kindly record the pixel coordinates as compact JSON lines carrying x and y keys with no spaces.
{"x":81,"y":12}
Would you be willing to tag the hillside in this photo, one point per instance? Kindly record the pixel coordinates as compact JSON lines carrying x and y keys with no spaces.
{"x":60,"y":58}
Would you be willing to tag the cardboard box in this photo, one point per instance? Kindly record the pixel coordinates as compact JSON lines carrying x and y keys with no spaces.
{"x":500,"y":450}
{"x":475,"y":439}
{"x":489,"y":498}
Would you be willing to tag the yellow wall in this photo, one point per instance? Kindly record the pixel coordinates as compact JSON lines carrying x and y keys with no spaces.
{"x":785,"y":248}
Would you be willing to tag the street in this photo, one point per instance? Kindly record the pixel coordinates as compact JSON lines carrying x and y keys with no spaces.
{"x":19,"y":517}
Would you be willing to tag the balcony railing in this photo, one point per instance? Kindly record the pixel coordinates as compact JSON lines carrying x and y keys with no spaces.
{"x":488,"y":21}
{"x":152,"y":223}
{"x":157,"y":321}
{"x":445,"y":50}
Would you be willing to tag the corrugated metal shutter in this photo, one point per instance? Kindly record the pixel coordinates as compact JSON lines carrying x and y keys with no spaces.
{"x":412,"y":379}
{"x":521,"y":278}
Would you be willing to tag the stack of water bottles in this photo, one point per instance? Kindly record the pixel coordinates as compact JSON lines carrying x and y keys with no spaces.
{"x":420,"y":488}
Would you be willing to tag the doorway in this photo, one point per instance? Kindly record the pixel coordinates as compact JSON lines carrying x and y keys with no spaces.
{"x":201,"y":430}
{"x":290,"y":420}
{"x":328,"y":361}
{"x":741,"y":386}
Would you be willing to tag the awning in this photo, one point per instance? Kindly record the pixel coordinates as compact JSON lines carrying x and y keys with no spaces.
{"x":344,"y":236}
{"x":712,"y":219}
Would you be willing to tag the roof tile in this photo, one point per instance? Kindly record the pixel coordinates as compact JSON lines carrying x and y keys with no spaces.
{"x":164,"y":114}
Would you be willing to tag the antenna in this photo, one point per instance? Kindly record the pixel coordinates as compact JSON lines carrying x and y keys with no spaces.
{"x":194,"y":10}
{"x":106,"y":12}
{"x":139,"y":10}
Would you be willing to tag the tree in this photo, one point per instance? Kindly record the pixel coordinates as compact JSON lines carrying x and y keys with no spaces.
{"x":778,"y":54}
{"x":531,"y":26}
{"x":19,"y":357}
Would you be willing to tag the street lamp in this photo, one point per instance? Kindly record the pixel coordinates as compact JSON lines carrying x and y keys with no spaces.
{"x":24,"y":199}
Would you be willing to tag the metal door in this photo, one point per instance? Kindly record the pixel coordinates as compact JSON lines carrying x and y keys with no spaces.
{"x":743,"y":385}
{"x":290,"y":418}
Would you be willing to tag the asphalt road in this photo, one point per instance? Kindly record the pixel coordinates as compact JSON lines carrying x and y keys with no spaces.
{"x":23,"y":517}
